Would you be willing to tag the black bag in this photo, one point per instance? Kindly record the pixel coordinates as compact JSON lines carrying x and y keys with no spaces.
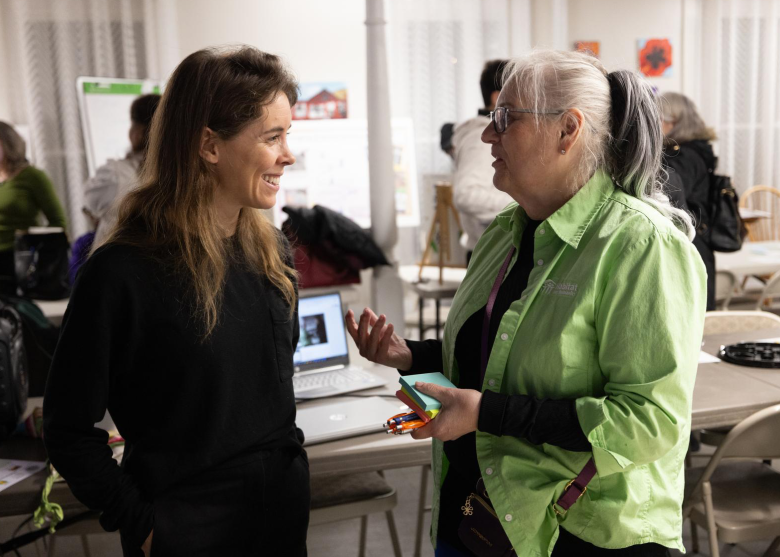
{"x":13,"y":371}
{"x":480,"y":529}
{"x":41,"y":263}
{"x":726,"y":228}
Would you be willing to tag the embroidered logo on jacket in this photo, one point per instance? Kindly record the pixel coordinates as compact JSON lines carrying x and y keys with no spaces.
{"x":559,"y":288}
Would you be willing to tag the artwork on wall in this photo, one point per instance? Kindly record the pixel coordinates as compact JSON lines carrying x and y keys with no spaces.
{"x":321,"y":101}
{"x":655,"y":57}
{"x":591,"y":47}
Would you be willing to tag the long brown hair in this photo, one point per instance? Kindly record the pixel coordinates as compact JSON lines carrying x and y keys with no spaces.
{"x":171,"y":213}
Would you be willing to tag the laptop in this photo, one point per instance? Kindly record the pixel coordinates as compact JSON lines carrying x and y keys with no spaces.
{"x":321,"y":358}
{"x":346,"y":419}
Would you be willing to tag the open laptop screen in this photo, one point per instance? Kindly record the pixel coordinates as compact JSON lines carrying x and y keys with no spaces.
{"x":323,"y":337}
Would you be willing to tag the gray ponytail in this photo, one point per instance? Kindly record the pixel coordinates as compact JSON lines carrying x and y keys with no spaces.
{"x":636,"y":145}
{"x":622,"y":120}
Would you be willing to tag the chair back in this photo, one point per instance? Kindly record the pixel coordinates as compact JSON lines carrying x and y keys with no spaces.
{"x":725,"y":281}
{"x":763,"y":198}
{"x":770,"y":292}
{"x":755,"y":437}
{"x":721,"y":322}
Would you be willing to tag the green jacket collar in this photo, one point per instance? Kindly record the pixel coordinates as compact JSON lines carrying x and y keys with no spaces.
{"x":570,"y":221}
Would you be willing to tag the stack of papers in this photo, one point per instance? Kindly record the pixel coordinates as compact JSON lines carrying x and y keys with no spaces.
{"x":424,"y":405}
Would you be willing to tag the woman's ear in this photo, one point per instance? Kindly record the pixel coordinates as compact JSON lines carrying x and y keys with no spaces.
{"x":571,"y":127}
{"x":209,"y":150}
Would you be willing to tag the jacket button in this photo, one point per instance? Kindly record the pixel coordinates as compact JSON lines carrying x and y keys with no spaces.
{"x":508,"y":518}
{"x":504,"y":336}
{"x":541,"y":231}
{"x":489,"y":471}
{"x":540,"y":262}
{"x":492,"y":382}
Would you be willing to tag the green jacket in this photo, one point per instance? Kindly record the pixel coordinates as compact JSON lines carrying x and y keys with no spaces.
{"x":612,"y":317}
{"x":22,"y":198}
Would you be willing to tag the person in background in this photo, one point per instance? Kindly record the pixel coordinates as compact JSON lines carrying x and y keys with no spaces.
{"x":474,"y":196}
{"x":183,"y":326}
{"x":111,"y":183}
{"x":115,"y":178}
{"x":690,"y":160}
{"x":25,"y":193}
{"x":575,"y":335}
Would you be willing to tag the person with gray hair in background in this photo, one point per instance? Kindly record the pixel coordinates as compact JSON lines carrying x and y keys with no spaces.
{"x":574,"y":338}
{"x":690,"y":160}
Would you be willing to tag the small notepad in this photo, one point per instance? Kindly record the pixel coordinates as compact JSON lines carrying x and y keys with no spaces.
{"x":425,"y":402}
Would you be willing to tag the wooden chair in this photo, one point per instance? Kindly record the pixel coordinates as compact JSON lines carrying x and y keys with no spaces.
{"x":763,"y":198}
{"x":736,"y":497}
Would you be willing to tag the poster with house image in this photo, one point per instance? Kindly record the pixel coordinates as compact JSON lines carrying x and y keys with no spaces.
{"x":321,"y":101}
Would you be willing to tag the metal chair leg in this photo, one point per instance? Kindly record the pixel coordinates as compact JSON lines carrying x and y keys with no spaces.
{"x":85,"y":546}
{"x":393,"y":534}
{"x":52,"y":550}
{"x":694,"y":537}
{"x":773,"y":547}
{"x":710,"y":512}
{"x":363,"y":531}
{"x":421,"y":509}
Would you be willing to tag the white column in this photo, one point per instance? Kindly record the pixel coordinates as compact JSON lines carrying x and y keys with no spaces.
{"x":386,"y":290}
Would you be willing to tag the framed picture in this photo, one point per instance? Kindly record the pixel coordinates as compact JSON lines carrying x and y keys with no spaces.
{"x":591,"y":47}
{"x":655,"y":57}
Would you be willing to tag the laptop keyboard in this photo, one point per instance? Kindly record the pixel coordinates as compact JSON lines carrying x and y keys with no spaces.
{"x":343,"y":380}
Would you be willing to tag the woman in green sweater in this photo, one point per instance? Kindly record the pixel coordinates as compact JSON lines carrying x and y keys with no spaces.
{"x":25,"y":191}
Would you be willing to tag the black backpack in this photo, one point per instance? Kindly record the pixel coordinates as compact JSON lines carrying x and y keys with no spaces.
{"x":14,"y":381}
{"x":726,"y":227}
{"x":41,"y":262}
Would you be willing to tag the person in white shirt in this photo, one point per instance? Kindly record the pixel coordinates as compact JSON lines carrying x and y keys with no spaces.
{"x":115,"y":178}
{"x":474,"y":196}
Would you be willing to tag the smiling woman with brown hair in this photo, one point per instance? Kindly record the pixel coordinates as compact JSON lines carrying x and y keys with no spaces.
{"x":183,"y":326}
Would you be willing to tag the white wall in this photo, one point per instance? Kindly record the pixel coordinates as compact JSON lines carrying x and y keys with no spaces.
{"x":617,"y":24}
{"x":5,"y":103}
{"x":320,"y":40}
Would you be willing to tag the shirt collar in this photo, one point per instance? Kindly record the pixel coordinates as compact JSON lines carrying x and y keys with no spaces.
{"x":570,"y":221}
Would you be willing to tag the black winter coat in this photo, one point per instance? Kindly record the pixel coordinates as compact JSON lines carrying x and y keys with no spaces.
{"x":689,"y":165}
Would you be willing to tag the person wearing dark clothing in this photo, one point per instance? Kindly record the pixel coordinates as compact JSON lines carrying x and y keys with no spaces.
{"x":183,"y":327}
{"x":690,"y":161}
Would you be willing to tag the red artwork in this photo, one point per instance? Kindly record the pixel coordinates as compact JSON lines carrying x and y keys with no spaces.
{"x":655,"y":57}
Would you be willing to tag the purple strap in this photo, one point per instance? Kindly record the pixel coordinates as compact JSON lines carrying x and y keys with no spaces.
{"x":489,"y":311}
{"x":578,"y":485}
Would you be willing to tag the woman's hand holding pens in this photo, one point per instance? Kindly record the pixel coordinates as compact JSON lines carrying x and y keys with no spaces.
{"x":381,"y":345}
{"x":459,"y":413}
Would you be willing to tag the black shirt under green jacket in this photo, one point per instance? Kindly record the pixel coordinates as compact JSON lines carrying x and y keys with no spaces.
{"x":130,"y":344}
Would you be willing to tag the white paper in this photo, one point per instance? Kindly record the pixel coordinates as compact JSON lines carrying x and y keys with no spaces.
{"x":705,"y":358}
{"x":769,"y":340}
{"x":14,"y":471}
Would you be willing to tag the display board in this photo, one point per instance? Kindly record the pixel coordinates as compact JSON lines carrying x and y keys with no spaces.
{"x":105,"y":115}
{"x":331,"y":170}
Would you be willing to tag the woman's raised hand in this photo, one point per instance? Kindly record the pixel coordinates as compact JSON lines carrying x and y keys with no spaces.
{"x":377,"y":341}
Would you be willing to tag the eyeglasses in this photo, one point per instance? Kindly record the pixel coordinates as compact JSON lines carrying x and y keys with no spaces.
{"x":500,"y":116}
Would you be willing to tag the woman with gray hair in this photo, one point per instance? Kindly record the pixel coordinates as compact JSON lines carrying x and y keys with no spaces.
{"x":573,"y":339}
{"x":689,"y":157}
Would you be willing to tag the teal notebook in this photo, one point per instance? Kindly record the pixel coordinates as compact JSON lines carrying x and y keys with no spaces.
{"x":426,"y":402}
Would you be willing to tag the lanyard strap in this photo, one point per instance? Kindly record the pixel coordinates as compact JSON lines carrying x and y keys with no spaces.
{"x":579,"y":485}
{"x":489,"y":311}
